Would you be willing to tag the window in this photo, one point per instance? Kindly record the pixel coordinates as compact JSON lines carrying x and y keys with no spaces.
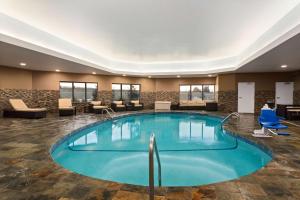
{"x":66,"y":90}
{"x":78,"y":91}
{"x":208,"y":92}
{"x":135,"y":92}
{"x":125,"y":92}
{"x":91,"y":91}
{"x":116,"y":91}
{"x":194,"y":92}
{"x":185,"y":91}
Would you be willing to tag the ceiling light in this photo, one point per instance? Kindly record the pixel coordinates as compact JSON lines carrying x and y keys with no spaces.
{"x":283,"y":66}
{"x":149,"y":76}
{"x":57,"y":70}
{"x":209,"y":75}
{"x":23,"y":64}
{"x":93,"y":72}
{"x":178,"y":76}
{"x":124,"y":75}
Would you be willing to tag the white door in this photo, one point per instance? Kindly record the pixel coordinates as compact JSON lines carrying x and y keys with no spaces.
{"x":246,"y":97}
{"x":284,"y":93}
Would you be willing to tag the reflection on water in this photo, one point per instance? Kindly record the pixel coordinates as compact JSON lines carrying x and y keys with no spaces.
{"x":90,"y":138}
{"x":196,"y":130}
{"x":125,"y":130}
{"x":193,"y":150}
{"x":172,"y":132}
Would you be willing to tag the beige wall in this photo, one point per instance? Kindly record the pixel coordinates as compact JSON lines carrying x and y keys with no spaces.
{"x":50,"y":80}
{"x":172,"y":84}
{"x":226,"y":82}
{"x":263,"y":81}
{"x":147,"y":85}
{"x":12,"y":78}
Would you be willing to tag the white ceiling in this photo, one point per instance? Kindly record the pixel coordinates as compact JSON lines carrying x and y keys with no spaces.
{"x":151,"y":37}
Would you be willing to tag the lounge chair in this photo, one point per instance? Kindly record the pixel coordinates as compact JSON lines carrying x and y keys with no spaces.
{"x":96,"y":107}
{"x":135,"y":105}
{"x":118,"y":106}
{"x":197,"y":104}
{"x":65,"y":107}
{"x":270,"y":124}
{"x":20,"y":110}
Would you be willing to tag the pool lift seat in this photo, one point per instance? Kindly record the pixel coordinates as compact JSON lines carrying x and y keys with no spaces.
{"x":270,"y":123}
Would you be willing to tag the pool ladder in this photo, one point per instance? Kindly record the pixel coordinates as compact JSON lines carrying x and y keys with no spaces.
{"x":153,"y":148}
{"x":236,"y":114}
{"x":109,"y":111}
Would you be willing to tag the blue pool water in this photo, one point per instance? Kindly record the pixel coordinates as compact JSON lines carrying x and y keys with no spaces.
{"x":193,"y":150}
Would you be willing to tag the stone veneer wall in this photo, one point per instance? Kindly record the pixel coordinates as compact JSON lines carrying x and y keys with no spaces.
{"x":49,"y":98}
{"x":105,"y":96}
{"x":172,"y":96}
{"x":297,"y":97}
{"x":6,"y":94}
{"x":148,"y":98}
{"x":46,"y":99}
{"x":227,"y":101}
{"x":262,"y":97}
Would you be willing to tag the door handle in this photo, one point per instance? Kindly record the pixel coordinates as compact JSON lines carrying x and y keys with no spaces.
{"x":240,"y":97}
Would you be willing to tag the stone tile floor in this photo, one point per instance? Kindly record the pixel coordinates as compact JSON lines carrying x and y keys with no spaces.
{"x":28,"y":172}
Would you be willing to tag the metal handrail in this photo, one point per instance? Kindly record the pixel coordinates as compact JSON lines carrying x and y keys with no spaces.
{"x":111,"y":110}
{"x":228,"y":116}
{"x":108,"y":110}
{"x":153,"y":147}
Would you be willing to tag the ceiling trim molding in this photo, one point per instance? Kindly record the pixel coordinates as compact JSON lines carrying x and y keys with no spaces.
{"x":18,"y":33}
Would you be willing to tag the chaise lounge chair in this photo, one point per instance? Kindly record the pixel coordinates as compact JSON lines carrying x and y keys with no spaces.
{"x":65,"y":107}
{"x":118,"y":106}
{"x":20,"y":110}
{"x":96,"y":107}
{"x":270,"y":123}
{"x":135,"y":105}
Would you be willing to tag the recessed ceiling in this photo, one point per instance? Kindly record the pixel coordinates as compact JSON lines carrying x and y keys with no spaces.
{"x":146,"y":37}
{"x":272,"y":61}
{"x":13,"y":56}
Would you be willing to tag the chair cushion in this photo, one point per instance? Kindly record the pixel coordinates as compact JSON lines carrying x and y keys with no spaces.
{"x":34,"y":110}
{"x":64,"y":103}
{"x":135,"y":102}
{"x":96,"y":103}
{"x":118,"y":105}
{"x":163,"y":102}
{"x":138,"y":105}
{"x":118,"y":102}
{"x":197,"y":102}
{"x":183,"y":101}
{"x":99,"y":107}
{"x":18,"y":104}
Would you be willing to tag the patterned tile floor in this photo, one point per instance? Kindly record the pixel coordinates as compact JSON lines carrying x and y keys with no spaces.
{"x":28,"y":172}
